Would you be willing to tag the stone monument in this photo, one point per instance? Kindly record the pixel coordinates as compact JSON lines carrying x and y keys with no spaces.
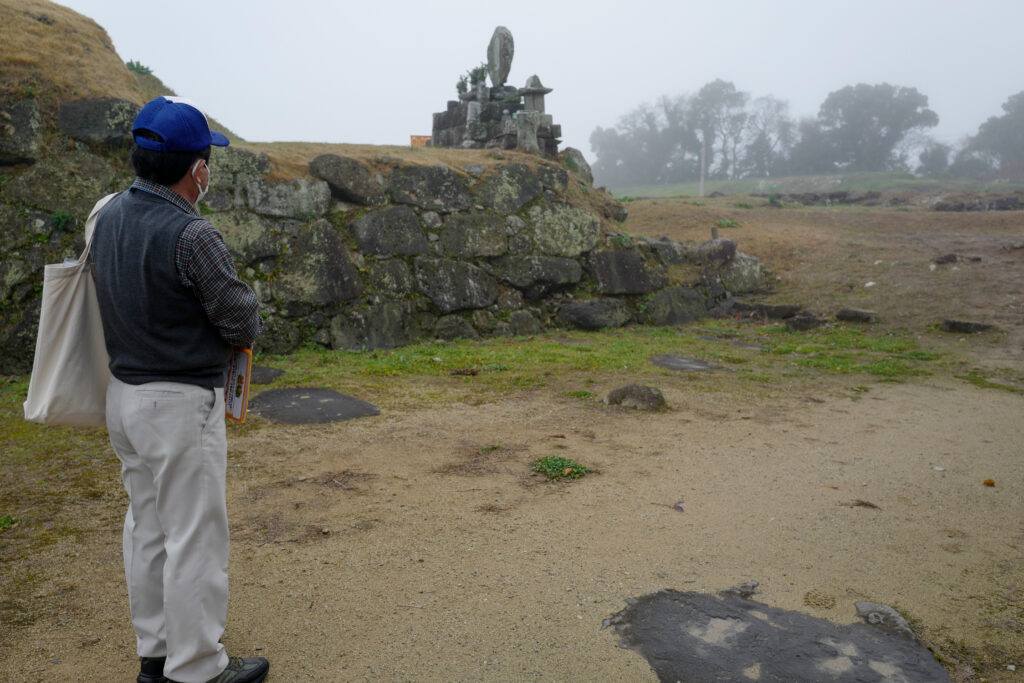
{"x":500,"y":116}
{"x":499,"y":56}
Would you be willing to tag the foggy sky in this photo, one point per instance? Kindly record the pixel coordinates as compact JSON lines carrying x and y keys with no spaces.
{"x":324,"y":71}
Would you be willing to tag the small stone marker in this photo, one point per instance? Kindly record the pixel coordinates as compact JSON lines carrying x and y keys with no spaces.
{"x":692,"y":637}
{"x":680,"y":364}
{"x":309,"y":406}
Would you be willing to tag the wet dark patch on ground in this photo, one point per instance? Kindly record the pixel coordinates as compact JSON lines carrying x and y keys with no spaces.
{"x":680,"y":364}
{"x":695,"y":637}
{"x":309,"y":406}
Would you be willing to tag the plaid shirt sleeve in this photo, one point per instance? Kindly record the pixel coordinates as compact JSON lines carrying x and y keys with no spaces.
{"x":205,"y":266}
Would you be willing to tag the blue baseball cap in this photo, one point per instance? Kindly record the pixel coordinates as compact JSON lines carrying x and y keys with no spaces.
{"x":181,"y":124}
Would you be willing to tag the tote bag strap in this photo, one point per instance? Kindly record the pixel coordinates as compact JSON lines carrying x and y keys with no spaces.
{"x":90,"y":224}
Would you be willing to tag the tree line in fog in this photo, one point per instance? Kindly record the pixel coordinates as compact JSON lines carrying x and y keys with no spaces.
{"x":723,"y":133}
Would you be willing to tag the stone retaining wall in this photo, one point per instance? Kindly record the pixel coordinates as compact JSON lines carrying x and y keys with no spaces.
{"x":379,"y":253}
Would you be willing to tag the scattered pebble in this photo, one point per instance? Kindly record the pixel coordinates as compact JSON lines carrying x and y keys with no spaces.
{"x":939,"y":469}
{"x":989,"y":482}
{"x":869,"y":284}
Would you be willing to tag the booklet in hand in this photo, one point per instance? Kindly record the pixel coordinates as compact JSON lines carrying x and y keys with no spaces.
{"x":236,"y":393}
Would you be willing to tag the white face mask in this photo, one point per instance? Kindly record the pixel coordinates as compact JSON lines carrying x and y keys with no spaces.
{"x":202,"y":190}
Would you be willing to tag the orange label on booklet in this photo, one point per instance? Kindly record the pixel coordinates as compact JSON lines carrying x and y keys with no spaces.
{"x":236,"y":392}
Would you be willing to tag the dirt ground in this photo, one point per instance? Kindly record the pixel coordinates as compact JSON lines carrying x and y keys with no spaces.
{"x":416,"y":545}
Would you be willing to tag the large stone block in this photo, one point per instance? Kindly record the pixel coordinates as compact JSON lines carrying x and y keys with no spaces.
{"x":524,"y":324}
{"x":454,"y":285}
{"x":564,"y":230}
{"x":622,"y":272}
{"x":106,"y":121}
{"x":743,"y":274}
{"x":18,"y":330}
{"x":21,"y":131}
{"x":553,"y":178}
{"x":453,"y":327}
{"x":248,"y":236}
{"x":577,"y":163}
{"x":318,"y":270}
{"x":349,"y":179}
{"x":384,"y":326}
{"x":538,"y":276}
{"x":667,"y":252}
{"x":20,"y":228}
{"x":596,"y":314}
{"x":393,"y":231}
{"x":716,"y":252}
{"x":474,"y":235}
{"x":391,"y":278}
{"x":675,"y":306}
{"x":72,"y":182}
{"x":300,"y":198}
{"x":233,"y":169}
{"x":508,"y":188}
{"x":437,"y":188}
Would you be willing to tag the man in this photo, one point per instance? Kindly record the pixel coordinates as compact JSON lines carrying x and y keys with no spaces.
{"x":172,"y":309}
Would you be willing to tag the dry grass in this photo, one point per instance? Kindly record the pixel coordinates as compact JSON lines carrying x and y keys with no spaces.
{"x":291,"y":159}
{"x":49,"y":45}
{"x":52,"y":53}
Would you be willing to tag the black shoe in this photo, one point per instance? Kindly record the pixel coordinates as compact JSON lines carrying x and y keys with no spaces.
{"x":151,"y":670}
{"x":243,"y":670}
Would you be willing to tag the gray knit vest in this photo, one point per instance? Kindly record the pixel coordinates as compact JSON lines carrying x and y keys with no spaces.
{"x":155,"y":328}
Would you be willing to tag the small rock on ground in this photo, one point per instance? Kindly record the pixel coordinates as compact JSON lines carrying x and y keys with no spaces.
{"x":638,"y":396}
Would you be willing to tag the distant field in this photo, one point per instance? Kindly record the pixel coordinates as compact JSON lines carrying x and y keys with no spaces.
{"x":859,"y":182}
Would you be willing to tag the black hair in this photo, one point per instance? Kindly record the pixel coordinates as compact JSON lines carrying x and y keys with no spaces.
{"x":165,"y":168}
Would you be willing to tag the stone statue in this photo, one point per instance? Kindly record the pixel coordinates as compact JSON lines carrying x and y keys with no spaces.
{"x":499,"y":56}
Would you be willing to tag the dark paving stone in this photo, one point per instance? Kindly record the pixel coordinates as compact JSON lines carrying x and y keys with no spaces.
{"x":964,"y":326}
{"x":680,"y":364}
{"x":309,"y":406}
{"x":695,"y":637}
{"x":261,"y":374}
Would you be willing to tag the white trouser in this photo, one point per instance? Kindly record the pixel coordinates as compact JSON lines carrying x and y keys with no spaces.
{"x":171,"y":441}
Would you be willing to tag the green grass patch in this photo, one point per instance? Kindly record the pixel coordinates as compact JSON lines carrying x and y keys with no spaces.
{"x":557,"y":467}
{"x":503,"y":366}
{"x":978,"y":379}
{"x":580,"y":394}
{"x":8,"y":522}
{"x":846,"y":350}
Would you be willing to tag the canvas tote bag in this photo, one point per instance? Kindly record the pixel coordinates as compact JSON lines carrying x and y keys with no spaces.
{"x":70,"y":370}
